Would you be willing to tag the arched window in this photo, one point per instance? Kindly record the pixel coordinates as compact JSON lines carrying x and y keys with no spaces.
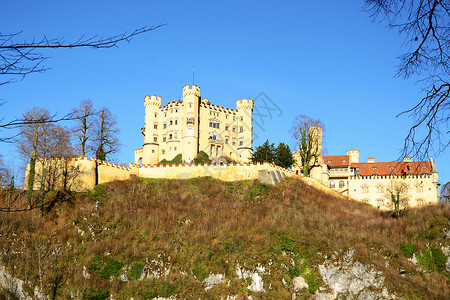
{"x":380,"y":188}
{"x":365,"y":200}
{"x":341,"y":184}
{"x":380,"y":202}
{"x":365,"y":188}
{"x":332,"y":184}
{"x":420,"y":202}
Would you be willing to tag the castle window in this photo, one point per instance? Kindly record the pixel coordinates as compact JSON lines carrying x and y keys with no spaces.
{"x":176,"y":135}
{"x":176,"y":121}
{"x":234,"y":118}
{"x":332,"y":184}
{"x":241,"y":142}
{"x":365,"y":188}
{"x":165,"y":115}
{"x":226,"y":127}
{"x":153,"y":150}
{"x":170,"y":136}
{"x":419,"y":187}
{"x":170,"y":122}
{"x":380,"y":188}
{"x":344,"y":160}
{"x":341,"y":184}
{"x":164,"y":138}
{"x":165,"y":125}
{"x":234,"y":141}
{"x":190,"y":105}
{"x":226,"y":139}
{"x":155,"y":138}
{"x":176,"y":110}
{"x":234,"y":128}
{"x":380,"y":202}
{"x":156,"y":115}
{"x":163,"y":151}
{"x":214,"y":124}
{"x":155,"y":125}
{"x":365,"y":200}
{"x":420,"y":202}
{"x":241,"y":119}
{"x":190,"y":131}
{"x":175,"y":149}
{"x":241,"y":129}
{"x":171,"y":110}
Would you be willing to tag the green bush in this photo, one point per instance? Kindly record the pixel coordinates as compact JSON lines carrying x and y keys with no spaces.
{"x":288,"y":244}
{"x":439,"y":259}
{"x":94,"y":294}
{"x":96,"y":264}
{"x":176,"y":160}
{"x":200,"y":271}
{"x":135,"y":271}
{"x":424,"y":260}
{"x":255,"y":190}
{"x":98,"y":193}
{"x":202,"y":158}
{"x":407,"y":249}
{"x":111,"y":268}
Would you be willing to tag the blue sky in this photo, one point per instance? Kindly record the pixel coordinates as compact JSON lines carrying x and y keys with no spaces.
{"x":324,"y":59}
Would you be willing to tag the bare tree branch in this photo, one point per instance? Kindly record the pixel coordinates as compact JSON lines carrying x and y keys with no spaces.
{"x":426,"y":27}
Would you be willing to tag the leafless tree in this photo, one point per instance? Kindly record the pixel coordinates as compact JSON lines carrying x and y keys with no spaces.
{"x":46,"y":147}
{"x":445,"y":193}
{"x":425,"y":25}
{"x":307,"y":135}
{"x":105,"y":134}
{"x":397,"y":195}
{"x":84,"y":116}
{"x":19,"y":59}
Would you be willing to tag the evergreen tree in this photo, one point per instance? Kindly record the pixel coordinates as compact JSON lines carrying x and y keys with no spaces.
{"x":264,"y":153}
{"x":284,"y":156}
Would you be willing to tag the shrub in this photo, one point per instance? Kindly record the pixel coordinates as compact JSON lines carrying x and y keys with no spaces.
{"x":94,"y":294}
{"x":202,"y":158}
{"x":98,"y":193}
{"x":407,"y":249}
{"x":96,"y":264}
{"x":111,"y":268}
{"x":200,"y":271}
{"x":439,"y":259}
{"x":135,"y":271}
{"x":288,"y":244}
{"x":176,"y":160}
{"x":255,"y":190}
{"x":424,"y":260}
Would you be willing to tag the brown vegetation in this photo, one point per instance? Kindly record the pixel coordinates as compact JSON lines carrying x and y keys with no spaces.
{"x":202,"y":226}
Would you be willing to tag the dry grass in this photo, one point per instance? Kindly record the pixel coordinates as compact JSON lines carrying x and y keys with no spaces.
{"x":205,"y":223}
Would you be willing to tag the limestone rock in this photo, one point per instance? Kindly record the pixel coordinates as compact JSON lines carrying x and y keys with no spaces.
{"x":213,"y":280}
{"x":299,"y":283}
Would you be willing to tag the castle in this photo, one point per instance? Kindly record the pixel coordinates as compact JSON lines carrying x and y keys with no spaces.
{"x":370,"y":182}
{"x":192,"y":125}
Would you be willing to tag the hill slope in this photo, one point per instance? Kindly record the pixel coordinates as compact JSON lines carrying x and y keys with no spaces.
{"x":206,"y":238}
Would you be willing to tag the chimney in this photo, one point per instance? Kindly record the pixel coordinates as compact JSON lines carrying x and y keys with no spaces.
{"x":407,"y":159}
{"x":371,"y":160}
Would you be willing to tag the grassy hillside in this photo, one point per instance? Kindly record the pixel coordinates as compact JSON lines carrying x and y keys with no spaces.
{"x":146,"y":238}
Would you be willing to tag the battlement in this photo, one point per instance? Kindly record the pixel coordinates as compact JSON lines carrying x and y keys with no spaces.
{"x":244,"y":104}
{"x":194,"y":90}
{"x":152,"y":100}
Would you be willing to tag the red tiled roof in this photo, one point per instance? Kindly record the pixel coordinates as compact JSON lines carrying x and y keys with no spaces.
{"x":336,"y":160}
{"x":399,"y":168}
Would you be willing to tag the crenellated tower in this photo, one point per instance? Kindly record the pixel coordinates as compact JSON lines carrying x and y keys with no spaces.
{"x":190,"y":136}
{"x":151,"y":130}
{"x":245,"y":129}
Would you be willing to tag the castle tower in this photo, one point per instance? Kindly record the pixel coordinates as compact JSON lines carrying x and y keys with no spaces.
{"x":191,"y":100}
{"x":315,"y":135}
{"x":354,"y":156}
{"x":245,"y":129}
{"x":151,"y":129}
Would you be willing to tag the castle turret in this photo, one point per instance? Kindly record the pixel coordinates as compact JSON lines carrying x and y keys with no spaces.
{"x":151,"y":129}
{"x":191,"y":100}
{"x":354,"y":156}
{"x":245,"y":129}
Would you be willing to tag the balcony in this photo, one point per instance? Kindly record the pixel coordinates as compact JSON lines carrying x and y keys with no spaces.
{"x":190,"y":120}
{"x":215,"y":141}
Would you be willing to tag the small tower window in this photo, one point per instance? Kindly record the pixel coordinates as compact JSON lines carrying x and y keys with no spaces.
{"x":165,"y":125}
{"x":241,"y":142}
{"x":155,"y":125}
{"x":226,"y":139}
{"x":164,"y":138}
{"x":226,"y":127}
{"x":163,"y":151}
{"x":234,"y":141}
{"x":176,"y":121}
{"x":234,"y":128}
{"x":341,"y":184}
{"x":170,"y":122}
{"x":241,"y":119}
{"x":241,"y":129}
{"x":332,"y":184}
{"x":155,"y":138}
